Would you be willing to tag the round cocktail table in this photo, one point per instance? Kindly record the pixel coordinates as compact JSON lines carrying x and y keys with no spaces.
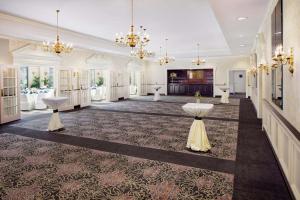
{"x":55,"y":102}
{"x":197,"y":139}
{"x":156,"y":93}
{"x":225,"y":94}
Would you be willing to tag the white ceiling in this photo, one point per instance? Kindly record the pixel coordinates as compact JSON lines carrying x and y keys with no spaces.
{"x":212,"y":23}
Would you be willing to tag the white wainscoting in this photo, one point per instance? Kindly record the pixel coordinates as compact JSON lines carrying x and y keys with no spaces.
{"x":285,"y":145}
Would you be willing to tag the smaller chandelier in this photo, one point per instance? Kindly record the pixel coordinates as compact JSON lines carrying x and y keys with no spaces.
{"x":141,"y":52}
{"x":198,"y":61}
{"x":166,"y":59}
{"x":133,"y":39}
{"x":57,"y":46}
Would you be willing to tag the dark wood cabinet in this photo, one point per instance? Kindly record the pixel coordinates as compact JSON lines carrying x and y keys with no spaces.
{"x":190,"y":89}
{"x":188,"y":82}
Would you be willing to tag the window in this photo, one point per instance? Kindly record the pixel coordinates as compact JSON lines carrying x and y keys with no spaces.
{"x":51,"y":77}
{"x":24,"y":78}
{"x":92,"y":77}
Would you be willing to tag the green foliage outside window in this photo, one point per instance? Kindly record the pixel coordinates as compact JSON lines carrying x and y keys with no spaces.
{"x":99,"y":81}
{"x":36,"y":82}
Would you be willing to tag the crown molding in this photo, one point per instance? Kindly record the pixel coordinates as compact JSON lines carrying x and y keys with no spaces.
{"x":36,"y":32}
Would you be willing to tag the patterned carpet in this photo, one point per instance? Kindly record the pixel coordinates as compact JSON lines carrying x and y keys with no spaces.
{"x":35,"y":169}
{"x":173,"y":108}
{"x":185,"y":99}
{"x":136,"y":150}
{"x":39,"y":168}
{"x":148,"y":130}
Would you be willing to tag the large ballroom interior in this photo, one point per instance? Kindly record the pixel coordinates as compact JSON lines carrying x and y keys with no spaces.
{"x":150,"y":99}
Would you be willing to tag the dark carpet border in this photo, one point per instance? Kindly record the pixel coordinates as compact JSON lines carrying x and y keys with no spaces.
{"x":257,"y":172}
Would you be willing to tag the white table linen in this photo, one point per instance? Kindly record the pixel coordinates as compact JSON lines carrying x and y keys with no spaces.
{"x":39,"y":104}
{"x":225,"y":95}
{"x":98,"y":93}
{"x":156,"y":93}
{"x":197,"y":139}
{"x":26,"y":102}
{"x":55,"y":103}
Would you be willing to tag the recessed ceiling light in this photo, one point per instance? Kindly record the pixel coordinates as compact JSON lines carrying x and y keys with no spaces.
{"x":242,"y":45}
{"x":241,"y":35}
{"x":242,"y":18}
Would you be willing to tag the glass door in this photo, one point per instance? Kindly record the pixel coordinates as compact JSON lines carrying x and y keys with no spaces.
{"x":10,"y":108}
{"x":76,"y":87}
{"x":65,"y":88}
{"x":85,"y":99}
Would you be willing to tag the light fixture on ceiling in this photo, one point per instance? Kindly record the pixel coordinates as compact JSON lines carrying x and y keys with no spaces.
{"x":166,"y":59}
{"x":141,"y":52}
{"x":198,"y":61}
{"x":133,"y":39}
{"x":242,"y":18}
{"x":57,"y":46}
{"x":242,"y":45}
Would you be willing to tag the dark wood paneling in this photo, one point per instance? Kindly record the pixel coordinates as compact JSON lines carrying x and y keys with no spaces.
{"x":190,"y":89}
{"x":184,"y":84}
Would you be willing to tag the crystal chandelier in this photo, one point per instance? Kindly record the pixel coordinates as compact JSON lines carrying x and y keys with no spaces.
{"x":133,"y":39}
{"x":166,"y":59}
{"x":141,"y":52}
{"x":198,"y":61}
{"x":57,"y":46}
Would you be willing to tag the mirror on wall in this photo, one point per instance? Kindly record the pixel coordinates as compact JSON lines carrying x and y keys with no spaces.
{"x":255,"y":77}
{"x":277,"y":39}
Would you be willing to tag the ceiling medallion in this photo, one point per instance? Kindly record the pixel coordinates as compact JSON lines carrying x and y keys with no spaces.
{"x":198,"y":61}
{"x":57,"y":46}
{"x":133,"y":39}
{"x":166,"y":59}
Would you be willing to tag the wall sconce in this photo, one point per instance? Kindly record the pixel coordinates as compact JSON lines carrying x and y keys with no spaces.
{"x":281,"y":58}
{"x":264,"y":67}
{"x":253,"y":71}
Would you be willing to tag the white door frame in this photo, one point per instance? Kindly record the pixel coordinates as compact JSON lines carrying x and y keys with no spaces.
{"x":246,"y":78}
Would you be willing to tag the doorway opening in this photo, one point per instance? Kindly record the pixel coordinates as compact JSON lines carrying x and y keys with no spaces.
{"x":98,"y":85}
{"x":237,"y":83}
{"x":36,"y":83}
{"x":134,"y":84}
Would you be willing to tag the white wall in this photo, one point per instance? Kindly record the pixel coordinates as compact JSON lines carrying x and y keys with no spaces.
{"x":5,"y":56}
{"x":285,"y":144}
{"x":157,"y":74}
{"x":32,"y":55}
{"x":291,"y":34}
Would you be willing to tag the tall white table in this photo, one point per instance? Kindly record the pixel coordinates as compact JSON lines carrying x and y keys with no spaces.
{"x":156,"y":93}
{"x":225,"y":94}
{"x":197,"y":139}
{"x":55,"y":103}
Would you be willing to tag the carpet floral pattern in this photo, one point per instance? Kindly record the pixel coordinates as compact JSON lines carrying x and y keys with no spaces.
{"x":36,"y":169}
{"x":186,"y":99}
{"x":160,"y":132}
{"x":219,"y":111}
